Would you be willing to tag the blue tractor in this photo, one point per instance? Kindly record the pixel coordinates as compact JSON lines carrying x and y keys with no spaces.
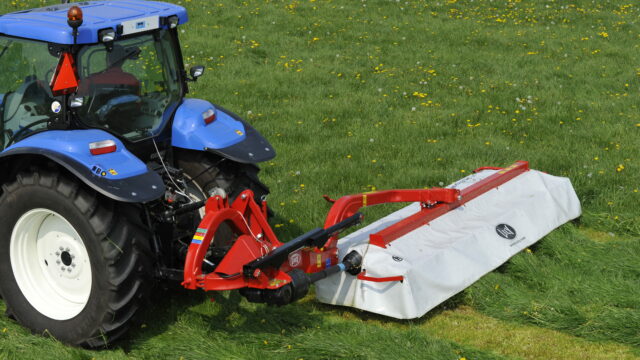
{"x":105,"y":163}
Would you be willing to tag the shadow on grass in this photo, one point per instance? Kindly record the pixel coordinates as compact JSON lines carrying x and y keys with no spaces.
{"x":452,"y":303}
{"x":229,"y":313}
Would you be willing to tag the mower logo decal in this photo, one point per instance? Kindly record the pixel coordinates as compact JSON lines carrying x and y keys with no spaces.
{"x":113,"y":172}
{"x":295,"y":259}
{"x":506,"y":231}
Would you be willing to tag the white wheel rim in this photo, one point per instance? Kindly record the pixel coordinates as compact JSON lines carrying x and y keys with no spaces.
{"x":50,"y":264}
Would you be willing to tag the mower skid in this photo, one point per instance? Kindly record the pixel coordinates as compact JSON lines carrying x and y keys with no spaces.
{"x":417,"y":257}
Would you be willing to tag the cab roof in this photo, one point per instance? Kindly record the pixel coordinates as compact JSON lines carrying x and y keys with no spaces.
{"x":50,"y":23}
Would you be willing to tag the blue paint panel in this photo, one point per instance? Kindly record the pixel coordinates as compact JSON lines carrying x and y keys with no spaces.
{"x":75,"y":144}
{"x":194,"y":241}
{"x":50,"y":23}
{"x":190,"y":132}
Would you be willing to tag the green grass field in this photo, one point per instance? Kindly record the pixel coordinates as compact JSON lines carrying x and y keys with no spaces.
{"x":377,"y":94}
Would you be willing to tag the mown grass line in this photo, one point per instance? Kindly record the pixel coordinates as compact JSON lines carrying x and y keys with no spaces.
{"x":569,"y":283}
{"x":469,"y":327}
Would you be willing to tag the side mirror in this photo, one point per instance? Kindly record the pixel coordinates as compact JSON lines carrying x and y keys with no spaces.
{"x":196,"y":72}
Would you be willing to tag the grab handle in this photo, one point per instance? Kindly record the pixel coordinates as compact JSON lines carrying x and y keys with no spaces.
{"x":363,"y":276}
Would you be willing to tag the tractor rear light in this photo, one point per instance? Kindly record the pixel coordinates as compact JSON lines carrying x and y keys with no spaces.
{"x":107,"y":35}
{"x":102,"y":147}
{"x":209,"y":116}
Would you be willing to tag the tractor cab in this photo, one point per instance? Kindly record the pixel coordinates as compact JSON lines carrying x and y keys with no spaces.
{"x":114,"y":66}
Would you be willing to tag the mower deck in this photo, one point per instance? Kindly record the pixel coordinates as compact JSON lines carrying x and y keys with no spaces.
{"x":413,"y":273}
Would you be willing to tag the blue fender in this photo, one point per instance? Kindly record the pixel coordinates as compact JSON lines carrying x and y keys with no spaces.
{"x":228,"y":135}
{"x":119,"y":175}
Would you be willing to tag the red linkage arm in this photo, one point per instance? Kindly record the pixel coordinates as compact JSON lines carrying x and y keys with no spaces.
{"x":427,"y":214}
{"x":349,"y":205}
{"x":435,"y":202}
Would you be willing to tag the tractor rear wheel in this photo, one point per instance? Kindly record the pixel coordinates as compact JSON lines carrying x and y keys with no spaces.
{"x":209,"y":176}
{"x":72,"y":263}
{"x":218,"y":176}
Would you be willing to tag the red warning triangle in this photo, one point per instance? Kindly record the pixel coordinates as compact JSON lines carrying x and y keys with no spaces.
{"x":64,"y":81}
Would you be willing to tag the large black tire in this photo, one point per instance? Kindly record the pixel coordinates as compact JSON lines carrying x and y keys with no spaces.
{"x":117,"y":249}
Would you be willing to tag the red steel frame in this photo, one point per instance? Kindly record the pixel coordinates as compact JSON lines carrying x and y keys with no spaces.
{"x":256,"y":238}
{"x":448,"y":199}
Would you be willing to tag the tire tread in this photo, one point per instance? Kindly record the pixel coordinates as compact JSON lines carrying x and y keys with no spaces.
{"x":124,"y":247}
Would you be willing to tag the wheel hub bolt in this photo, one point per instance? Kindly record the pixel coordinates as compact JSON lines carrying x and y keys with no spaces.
{"x":62,"y":268}
{"x":58,"y":262}
{"x":57,"y":253}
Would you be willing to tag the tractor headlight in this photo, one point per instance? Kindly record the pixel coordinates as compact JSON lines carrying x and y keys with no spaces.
{"x":107,"y":35}
{"x":173,"y":21}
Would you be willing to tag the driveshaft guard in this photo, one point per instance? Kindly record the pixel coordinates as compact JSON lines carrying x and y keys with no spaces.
{"x":119,"y":175}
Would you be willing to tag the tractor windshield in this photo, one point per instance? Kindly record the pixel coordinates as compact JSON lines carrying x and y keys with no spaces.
{"x":130,"y":87}
{"x":26,"y":102}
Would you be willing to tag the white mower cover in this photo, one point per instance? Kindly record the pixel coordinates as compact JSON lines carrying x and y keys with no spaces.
{"x":442,"y":258}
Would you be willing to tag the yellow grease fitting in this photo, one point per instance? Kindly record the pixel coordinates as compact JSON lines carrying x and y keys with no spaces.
{"x":511,"y":167}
